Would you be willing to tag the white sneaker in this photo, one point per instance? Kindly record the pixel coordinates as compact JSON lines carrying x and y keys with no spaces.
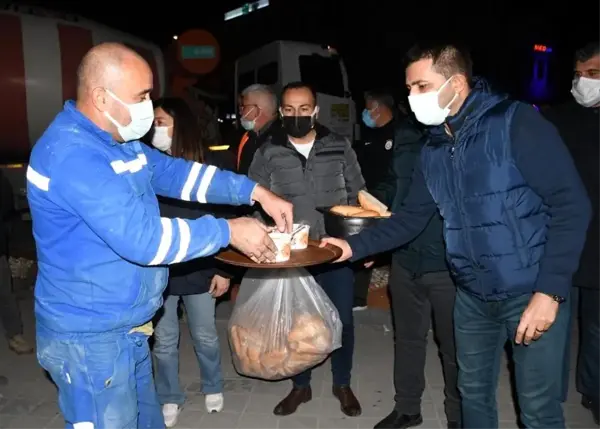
{"x":214,"y":402}
{"x":170,"y":414}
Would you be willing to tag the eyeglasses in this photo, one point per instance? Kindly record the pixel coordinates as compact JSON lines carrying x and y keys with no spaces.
{"x":243,"y":107}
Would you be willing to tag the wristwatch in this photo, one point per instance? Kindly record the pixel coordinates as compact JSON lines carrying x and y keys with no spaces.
{"x":556,"y":298}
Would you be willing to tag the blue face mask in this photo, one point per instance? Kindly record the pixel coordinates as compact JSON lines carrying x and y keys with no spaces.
{"x":247,"y":124}
{"x":368,"y":119}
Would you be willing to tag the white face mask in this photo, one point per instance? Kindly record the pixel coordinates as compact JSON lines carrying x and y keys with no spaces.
{"x":427,"y":109}
{"x":161,"y":139}
{"x":142,"y":117}
{"x":586,"y":91}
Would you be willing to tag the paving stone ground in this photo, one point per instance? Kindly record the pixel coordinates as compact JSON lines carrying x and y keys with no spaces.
{"x":29,"y":400}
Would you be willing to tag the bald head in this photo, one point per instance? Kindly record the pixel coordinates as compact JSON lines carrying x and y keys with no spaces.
{"x":105,"y":64}
{"x":112,"y":76}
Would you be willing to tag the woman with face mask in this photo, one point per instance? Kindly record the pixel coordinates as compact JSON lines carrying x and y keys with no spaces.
{"x":196,"y":283}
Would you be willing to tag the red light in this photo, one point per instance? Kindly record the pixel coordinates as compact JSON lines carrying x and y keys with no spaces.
{"x":542,"y":48}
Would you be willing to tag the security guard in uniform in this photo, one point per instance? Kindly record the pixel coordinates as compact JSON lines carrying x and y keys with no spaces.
{"x":374,"y":154}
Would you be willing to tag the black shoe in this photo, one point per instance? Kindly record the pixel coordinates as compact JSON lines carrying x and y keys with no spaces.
{"x":289,"y":404}
{"x":359,"y":304}
{"x":348,"y":402}
{"x":453,"y":425}
{"x":395,"y":420}
{"x":593,"y":406}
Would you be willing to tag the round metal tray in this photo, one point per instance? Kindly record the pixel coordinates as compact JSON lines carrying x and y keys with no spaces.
{"x":312,"y":255}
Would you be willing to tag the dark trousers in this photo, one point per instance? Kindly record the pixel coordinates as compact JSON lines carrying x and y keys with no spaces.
{"x":337,"y":280}
{"x":414,"y":301}
{"x":573,"y":302}
{"x":482,"y":328}
{"x":10,"y":314}
{"x":588,"y":377}
{"x":362,"y":281}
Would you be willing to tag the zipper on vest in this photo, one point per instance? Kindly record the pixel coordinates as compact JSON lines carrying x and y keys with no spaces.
{"x":457,"y":187}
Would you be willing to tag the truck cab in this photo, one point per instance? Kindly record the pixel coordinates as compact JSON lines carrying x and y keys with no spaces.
{"x":282,"y":62}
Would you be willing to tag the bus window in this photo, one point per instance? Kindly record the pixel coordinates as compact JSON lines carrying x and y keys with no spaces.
{"x":268,"y":74}
{"x":324,"y":74}
{"x":245,"y":80}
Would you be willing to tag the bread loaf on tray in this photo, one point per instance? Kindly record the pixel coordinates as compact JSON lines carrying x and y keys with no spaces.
{"x":369,"y":207}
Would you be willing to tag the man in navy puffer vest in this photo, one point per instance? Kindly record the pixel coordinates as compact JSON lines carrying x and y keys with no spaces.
{"x":515,"y":217}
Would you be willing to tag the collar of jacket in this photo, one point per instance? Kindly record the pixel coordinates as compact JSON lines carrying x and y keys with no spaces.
{"x":282,"y":138}
{"x":265,"y":129}
{"x":83,"y":122}
{"x":579,"y":109}
{"x":478,"y":102}
{"x":407,"y":132}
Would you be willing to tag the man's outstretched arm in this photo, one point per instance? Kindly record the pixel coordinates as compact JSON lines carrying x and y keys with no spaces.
{"x":402,"y":227}
{"x":192,"y":181}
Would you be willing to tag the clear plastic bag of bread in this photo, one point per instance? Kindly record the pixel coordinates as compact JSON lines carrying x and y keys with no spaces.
{"x":283,"y":323}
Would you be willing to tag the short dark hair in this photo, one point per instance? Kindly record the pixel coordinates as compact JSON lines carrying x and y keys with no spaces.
{"x":448,"y":59}
{"x":382,"y":98}
{"x":187,"y":135}
{"x":299,"y":85}
{"x":587,"y":52}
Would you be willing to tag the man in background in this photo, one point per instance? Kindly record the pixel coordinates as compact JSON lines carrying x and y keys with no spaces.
{"x":578,"y":122}
{"x":421,"y":290}
{"x":258,"y":116}
{"x":374,"y":151}
{"x":374,"y":154}
{"x":313,"y":167}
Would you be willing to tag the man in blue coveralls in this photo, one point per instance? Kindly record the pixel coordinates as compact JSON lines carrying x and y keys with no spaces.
{"x":103,"y":247}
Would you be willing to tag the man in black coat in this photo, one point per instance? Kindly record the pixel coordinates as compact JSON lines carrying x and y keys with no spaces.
{"x":375,"y":152}
{"x":259,"y":117}
{"x":579,"y":123}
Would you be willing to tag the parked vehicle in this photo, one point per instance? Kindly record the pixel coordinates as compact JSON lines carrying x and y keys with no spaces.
{"x":41,"y":51}
{"x":282,"y":62}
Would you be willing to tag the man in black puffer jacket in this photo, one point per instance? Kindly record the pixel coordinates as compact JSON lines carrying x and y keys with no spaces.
{"x":311,"y":167}
{"x":420,"y":286}
{"x":578,"y":122}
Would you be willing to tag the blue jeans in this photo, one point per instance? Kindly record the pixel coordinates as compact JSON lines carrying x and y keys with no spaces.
{"x":104,"y":379}
{"x":338,"y":283}
{"x":200,"y":310}
{"x":481,"y":330}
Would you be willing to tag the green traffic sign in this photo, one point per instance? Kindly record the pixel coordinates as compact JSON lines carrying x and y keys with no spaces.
{"x":191,"y":52}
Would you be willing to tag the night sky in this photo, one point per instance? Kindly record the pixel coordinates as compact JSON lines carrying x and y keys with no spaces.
{"x":373,"y":35}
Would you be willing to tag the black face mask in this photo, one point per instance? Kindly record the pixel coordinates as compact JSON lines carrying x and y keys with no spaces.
{"x":297,"y":126}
